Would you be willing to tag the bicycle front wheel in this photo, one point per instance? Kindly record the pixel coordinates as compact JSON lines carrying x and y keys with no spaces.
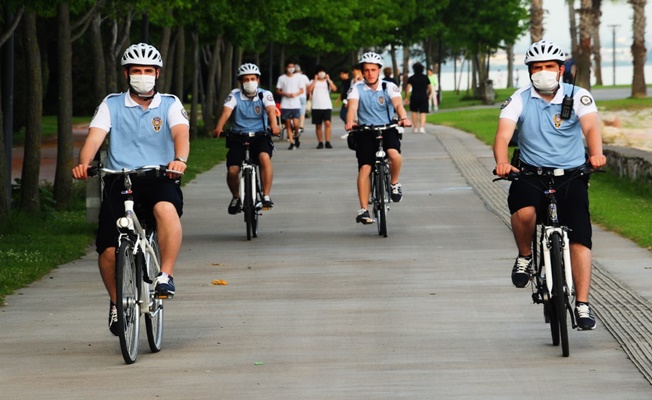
{"x":127,"y":302}
{"x":154,"y":316}
{"x":559,"y":294}
{"x":381,"y":202}
{"x":249,"y":206}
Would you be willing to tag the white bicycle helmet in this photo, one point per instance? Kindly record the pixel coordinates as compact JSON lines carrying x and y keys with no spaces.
{"x":142,"y":54}
{"x":248,"y":69}
{"x":371,"y":57}
{"x":544,"y":51}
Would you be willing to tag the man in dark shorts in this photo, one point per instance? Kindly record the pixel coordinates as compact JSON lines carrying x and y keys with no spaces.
{"x":419,"y":88}
{"x":144,"y":128}
{"x":549,"y":140}
{"x":253,"y":110}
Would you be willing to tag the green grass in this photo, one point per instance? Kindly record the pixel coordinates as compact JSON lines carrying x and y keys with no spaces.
{"x":31,"y":245}
{"x":617,"y":204}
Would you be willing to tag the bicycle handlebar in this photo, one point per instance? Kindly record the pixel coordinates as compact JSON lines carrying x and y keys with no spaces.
{"x":160,"y":170}
{"x":585,"y":169}
{"x":375,"y":127}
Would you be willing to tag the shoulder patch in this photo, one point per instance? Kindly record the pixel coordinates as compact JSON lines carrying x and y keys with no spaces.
{"x":270,"y":97}
{"x":586,"y":100}
{"x":185,"y":114}
{"x":228,"y":98}
{"x":506,"y":103}
{"x":396,"y":88}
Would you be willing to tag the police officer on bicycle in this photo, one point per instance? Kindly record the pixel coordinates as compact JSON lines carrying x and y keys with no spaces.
{"x":144,"y":128}
{"x":374,"y":102}
{"x":253,"y":110}
{"x":552,"y":119}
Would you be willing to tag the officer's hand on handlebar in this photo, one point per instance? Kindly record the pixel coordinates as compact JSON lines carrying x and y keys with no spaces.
{"x":217,"y":133}
{"x":80,"y":172}
{"x":405,"y":122}
{"x":504,"y":169}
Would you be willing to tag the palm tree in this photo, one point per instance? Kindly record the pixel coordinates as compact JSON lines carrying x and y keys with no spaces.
{"x":583,"y":54}
{"x":639,"y":52}
{"x":596,"y":13}
{"x":536,"y":21}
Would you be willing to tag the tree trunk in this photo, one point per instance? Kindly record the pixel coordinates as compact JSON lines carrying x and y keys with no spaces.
{"x":62,"y":178}
{"x":99,"y":64}
{"x":5,"y":183}
{"x":194,"y":101}
{"x":225,"y":84}
{"x":166,"y":72}
{"x":583,"y":59}
{"x":406,"y":69}
{"x":29,"y":188}
{"x":180,"y":62}
{"x":596,"y":13}
{"x":639,"y":52}
{"x":536,"y":20}
{"x":207,"y":111}
{"x":510,"y":65}
{"x":572,"y":26}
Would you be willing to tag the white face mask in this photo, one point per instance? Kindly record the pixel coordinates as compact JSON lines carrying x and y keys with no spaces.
{"x":321,"y":75}
{"x":290,"y":70}
{"x":142,"y":84}
{"x":545,"y":81}
{"x":250,"y":86}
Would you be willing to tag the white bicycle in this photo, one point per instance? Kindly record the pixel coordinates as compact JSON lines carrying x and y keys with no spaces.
{"x":137,"y":265}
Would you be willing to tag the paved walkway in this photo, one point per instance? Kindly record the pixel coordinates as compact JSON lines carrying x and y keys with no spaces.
{"x":319,"y":307}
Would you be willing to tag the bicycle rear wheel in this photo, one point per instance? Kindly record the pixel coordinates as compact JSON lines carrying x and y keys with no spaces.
{"x":127,"y":290}
{"x":559,"y":294}
{"x":249,"y":207}
{"x":381,"y":202}
{"x":154,"y":316}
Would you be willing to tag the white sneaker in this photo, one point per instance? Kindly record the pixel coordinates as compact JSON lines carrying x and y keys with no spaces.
{"x":344,"y":136}
{"x":422,"y":130}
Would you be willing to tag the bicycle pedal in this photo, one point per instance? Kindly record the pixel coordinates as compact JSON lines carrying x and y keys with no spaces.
{"x":164,"y":296}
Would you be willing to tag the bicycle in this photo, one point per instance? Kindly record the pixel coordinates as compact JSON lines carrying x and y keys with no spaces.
{"x":380,"y":194}
{"x":137,"y":265}
{"x":251,"y":191}
{"x":552,"y":282}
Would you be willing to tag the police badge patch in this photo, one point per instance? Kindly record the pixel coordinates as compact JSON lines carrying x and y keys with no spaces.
{"x":257,"y":109}
{"x":156,"y":123}
{"x":506,"y":103}
{"x":586,"y":100}
{"x":381,"y":100}
{"x":557,"y":120}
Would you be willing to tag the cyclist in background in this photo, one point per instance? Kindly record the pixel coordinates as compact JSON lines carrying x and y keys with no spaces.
{"x":369,"y":104}
{"x":253,"y":110}
{"x":144,"y":128}
{"x":548,"y":140}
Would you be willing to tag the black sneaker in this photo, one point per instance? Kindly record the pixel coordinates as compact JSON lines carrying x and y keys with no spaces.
{"x":521,"y":271}
{"x":320,"y":145}
{"x":235,"y":206}
{"x":291,"y":146}
{"x":297,"y":143}
{"x":397,"y":192}
{"x":329,"y":145}
{"x":584,"y":316}
{"x":113,"y":319}
{"x":364,"y":217}
{"x":267,"y":202}
{"x":164,"y":286}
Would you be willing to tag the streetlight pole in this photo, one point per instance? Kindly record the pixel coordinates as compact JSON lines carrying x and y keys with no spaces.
{"x":613,"y":52}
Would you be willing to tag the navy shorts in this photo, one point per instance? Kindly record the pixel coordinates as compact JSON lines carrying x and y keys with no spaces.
{"x":290,"y":113}
{"x":319,"y":116}
{"x":146,"y":192}
{"x":236,"y":154}
{"x":366,"y":145}
{"x":572,"y":203}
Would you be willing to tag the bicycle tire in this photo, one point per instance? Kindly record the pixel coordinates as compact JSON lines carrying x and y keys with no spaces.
{"x":258,"y":200}
{"x":127,"y":296}
{"x":249,"y":207}
{"x":559,"y":294}
{"x":381,"y":201}
{"x":154,"y":316}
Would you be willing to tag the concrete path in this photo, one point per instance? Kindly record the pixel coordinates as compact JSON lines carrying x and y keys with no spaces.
{"x":319,"y":307}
